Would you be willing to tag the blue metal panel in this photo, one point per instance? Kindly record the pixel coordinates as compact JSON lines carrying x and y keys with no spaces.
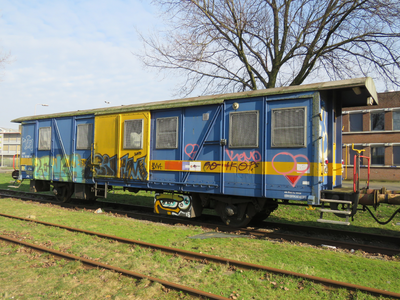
{"x":63,"y":144}
{"x":239,"y":159}
{"x":82,"y":157}
{"x":161,"y":177}
{"x":293,"y":180}
{"x":28,"y":137}
{"x":62,"y":162}
{"x":201,"y":140}
{"x":42,"y":167}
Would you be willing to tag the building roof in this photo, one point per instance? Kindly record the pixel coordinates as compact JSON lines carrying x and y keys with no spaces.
{"x":8,"y":130}
{"x":353,"y":92}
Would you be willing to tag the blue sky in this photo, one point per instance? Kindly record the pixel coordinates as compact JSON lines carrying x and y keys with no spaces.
{"x":75,"y":55}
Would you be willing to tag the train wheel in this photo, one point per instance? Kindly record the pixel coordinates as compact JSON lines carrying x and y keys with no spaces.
{"x":235,"y":215}
{"x":261,"y":216}
{"x":270,"y":206}
{"x":63,"y":191}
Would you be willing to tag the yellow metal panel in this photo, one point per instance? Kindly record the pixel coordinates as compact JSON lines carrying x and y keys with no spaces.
{"x":134,"y":163}
{"x":334,"y":168}
{"x":106,"y":141}
{"x":111,"y":158}
{"x":277,"y":168}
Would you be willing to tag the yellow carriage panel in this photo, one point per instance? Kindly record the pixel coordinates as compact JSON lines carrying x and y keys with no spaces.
{"x":122,"y":146}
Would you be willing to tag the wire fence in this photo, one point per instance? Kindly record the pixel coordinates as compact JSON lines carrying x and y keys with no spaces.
{"x":6,"y":162}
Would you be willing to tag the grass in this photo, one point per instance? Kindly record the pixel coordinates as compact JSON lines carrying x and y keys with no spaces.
{"x":28,"y":275}
{"x":38,"y":276}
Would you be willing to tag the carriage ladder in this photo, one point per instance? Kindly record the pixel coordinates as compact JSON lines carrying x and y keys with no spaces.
{"x":340,"y":213}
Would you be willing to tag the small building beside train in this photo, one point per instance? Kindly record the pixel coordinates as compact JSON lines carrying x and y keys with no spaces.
{"x":376,"y":131}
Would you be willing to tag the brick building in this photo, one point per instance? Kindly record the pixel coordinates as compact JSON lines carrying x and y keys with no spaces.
{"x":375,"y":129}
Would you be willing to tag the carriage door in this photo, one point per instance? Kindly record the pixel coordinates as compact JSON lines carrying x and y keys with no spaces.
{"x":121,"y":146}
{"x":243,"y":155}
{"x":42,"y":164}
{"x":84,"y":140}
{"x":290,"y":147}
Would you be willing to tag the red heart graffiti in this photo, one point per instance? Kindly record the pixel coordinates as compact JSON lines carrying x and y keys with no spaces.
{"x":191,"y":150}
{"x":293,"y":179}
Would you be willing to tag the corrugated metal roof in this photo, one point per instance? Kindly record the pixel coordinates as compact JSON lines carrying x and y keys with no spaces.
{"x":359,"y":91}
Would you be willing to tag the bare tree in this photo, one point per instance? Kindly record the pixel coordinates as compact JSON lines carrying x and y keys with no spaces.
{"x":237,"y":45}
{"x":5,"y":58}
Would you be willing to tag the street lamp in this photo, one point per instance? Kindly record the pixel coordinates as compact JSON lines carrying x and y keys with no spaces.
{"x":41,"y":105}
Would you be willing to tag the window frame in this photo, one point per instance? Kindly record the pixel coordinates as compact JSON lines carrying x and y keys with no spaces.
{"x":372,"y":157}
{"x":90,"y":133}
{"x":273,"y":128}
{"x":362,"y":121}
{"x":47,"y":147}
{"x":377,"y":113}
{"x":393,"y":155}
{"x":159,"y":147}
{"x":397,"y":112}
{"x":231,"y":132}
{"x":125,"y":147}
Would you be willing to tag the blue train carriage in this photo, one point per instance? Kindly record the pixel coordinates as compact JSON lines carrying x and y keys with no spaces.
{"x":56,"y":152}
{"x":244,"y":151}
{"x":237,"y":153}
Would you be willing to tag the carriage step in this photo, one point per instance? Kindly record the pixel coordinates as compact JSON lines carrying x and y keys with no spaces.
{"x":342,"y":212}
{"x":97,"y":190}
{"x":336,"y":201}
{"x":14,"y":184}
{"x":333,"y":222}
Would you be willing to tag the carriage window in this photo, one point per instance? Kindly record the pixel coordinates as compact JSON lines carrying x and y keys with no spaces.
{"x":288,"y":127}
{"x":243,"y":129}
{"x":133,"y":134}
{"x":84,"y":134}
{"x":44,"y":138}
{"x":167,"y":133}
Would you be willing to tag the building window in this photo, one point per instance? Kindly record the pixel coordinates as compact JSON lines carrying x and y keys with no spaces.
{"x":133,"y":134}
{"x":44,"y":138}
{"x":377,"y":121}
{"x":396,"y":155}
{"x":356,"y":122}
{"x":396,"y":120}
{"x":84,"y":136}
{"x":377,"y":155}
{"x":288,"y":127}
{"x":352,"y":153}
{"x":243,"y":129}
{"x":167,"y":133}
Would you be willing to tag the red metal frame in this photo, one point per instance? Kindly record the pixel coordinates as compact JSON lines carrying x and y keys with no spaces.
{"x":14,"y":161}
{"x":355,"y":173}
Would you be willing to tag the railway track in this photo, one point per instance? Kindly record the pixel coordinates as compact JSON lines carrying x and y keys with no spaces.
{"x":342,"y":239}
{"x":185,"y":254}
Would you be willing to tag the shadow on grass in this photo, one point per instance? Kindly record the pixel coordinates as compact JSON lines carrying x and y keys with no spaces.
{"x":372,"y":227}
